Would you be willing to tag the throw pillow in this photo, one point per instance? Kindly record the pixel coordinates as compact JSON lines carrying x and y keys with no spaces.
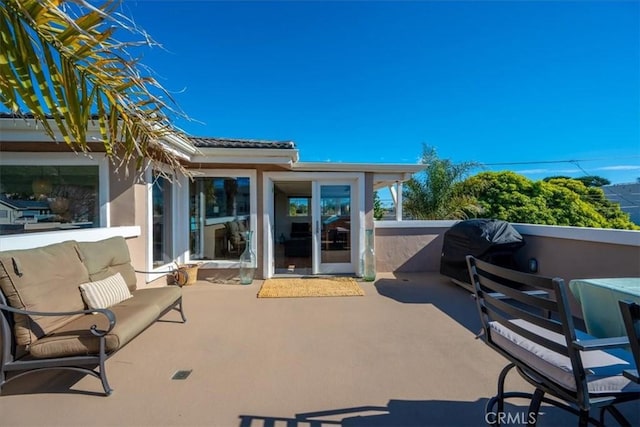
{"x":106,"y":292}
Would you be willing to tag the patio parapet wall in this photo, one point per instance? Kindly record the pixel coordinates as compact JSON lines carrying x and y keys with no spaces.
{"x":567,"y":252}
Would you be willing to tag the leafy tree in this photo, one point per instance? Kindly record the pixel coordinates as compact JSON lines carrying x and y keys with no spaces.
{"x":298,"y":206}
{"x":378,"y":210}
{"x":559,"y":201}
{"x":610,"y":211}
{"x":63,"y":60}
{"x":432,"y":194}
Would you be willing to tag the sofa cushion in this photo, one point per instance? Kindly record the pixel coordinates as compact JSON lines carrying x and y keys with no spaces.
{"x":75,"y":338}
{"x":107,"y":257}
{"x":106,"y":292}
{"x":163,"y":297}
{"x":42,"y":279}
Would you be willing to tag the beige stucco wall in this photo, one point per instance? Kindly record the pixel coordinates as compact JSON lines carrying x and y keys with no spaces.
{"x":417,"y":249}
{"x":413,"y":249}
{"x":128,"y":206}
{"x":572,"y":259}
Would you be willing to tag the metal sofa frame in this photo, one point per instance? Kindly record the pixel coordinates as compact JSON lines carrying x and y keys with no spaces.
{"x":92,"y":364}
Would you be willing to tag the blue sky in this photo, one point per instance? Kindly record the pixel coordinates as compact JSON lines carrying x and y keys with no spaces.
{"x":369,"y":81}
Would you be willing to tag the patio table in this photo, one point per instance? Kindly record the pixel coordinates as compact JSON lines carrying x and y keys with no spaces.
{"x":599,"y":301}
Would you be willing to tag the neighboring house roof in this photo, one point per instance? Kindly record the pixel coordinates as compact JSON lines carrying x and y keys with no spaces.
{"x":627,"y":196}
{"x":214,"y":142}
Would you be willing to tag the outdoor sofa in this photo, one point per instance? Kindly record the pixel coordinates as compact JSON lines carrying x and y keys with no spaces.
{"x":72,"y":305}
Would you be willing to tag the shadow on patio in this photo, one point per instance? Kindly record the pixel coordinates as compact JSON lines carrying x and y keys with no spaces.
{"x":397,"y":413}
{"x":439,"y":291}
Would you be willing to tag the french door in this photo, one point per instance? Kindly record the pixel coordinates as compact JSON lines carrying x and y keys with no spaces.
{"x":335,"y":202}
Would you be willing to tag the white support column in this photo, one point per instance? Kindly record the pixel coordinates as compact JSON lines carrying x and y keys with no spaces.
{"x":394,"y":195}
{"x":399,"y":201}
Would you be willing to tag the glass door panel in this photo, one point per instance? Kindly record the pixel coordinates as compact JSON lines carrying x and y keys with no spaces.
{"x":334,"y":220}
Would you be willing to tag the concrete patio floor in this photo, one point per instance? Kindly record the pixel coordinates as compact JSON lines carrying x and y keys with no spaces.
{"x":402,"y":355}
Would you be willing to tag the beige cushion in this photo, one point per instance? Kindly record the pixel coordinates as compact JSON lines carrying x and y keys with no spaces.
{"x":106,"y":292}
{"x":107,"y":257}
{"x":604,"y":368}
{"x":42,"y":279}
{"x":163,"y":297}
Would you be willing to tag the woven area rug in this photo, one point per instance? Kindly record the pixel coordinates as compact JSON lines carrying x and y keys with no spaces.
{"x":310,"y":287}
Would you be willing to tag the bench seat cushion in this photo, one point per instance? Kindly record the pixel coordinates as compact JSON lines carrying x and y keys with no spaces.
{"x":132,"y":317}
{"x":75,"y":338}
{"x":163,"y":297}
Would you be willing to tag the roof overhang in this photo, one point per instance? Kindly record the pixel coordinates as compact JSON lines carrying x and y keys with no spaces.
{"x":179,"y":146}
{"x":384,"y":174}
{"x":248,"y":156}
{"x":19,"y":129}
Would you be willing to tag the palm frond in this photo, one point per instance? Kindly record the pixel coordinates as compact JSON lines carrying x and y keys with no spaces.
{"x":60,"y":60}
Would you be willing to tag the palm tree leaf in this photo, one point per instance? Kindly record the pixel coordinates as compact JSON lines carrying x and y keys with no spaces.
{"x":81,"y":67}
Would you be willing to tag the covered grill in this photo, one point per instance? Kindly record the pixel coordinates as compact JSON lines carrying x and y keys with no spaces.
{"x":491,"y":240}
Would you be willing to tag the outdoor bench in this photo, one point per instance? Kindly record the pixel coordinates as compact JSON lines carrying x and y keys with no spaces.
{"x":72,"y":305}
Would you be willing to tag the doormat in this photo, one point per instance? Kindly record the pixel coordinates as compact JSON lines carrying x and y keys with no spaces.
{"x":310,"y":287}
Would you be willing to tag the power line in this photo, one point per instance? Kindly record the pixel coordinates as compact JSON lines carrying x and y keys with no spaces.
{"x":542,"y":162}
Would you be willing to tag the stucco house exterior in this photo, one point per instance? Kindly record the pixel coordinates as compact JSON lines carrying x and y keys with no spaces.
{"x":306,"y":217}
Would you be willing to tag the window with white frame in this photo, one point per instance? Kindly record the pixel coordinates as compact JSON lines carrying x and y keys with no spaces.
{"x":41,"y":194}
{"x":220,"y":211}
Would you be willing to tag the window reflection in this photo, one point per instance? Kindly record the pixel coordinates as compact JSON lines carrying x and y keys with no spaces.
{"x":219,"y":211}
{"x":46,"y":198}
{"x":162,"y":207}
{"x":335,"y":210}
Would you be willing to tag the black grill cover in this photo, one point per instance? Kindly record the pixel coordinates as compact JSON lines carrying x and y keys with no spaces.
{"x":491,"y":240}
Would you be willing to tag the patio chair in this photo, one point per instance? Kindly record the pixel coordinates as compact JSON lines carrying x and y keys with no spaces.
{"x":631,"y":316}
{"x":535,"y":332}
